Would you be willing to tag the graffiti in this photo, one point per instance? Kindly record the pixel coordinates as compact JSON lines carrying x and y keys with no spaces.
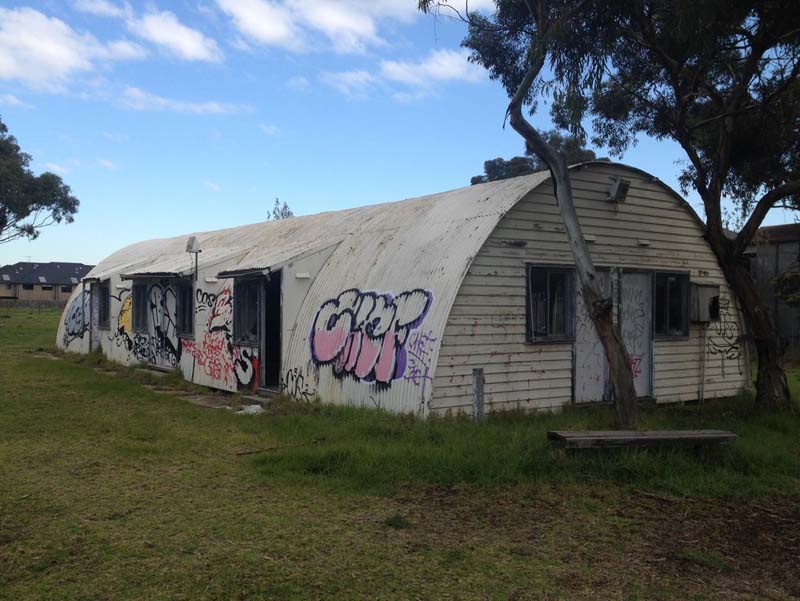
{"x":297,"y":385}
{"x":419,"y":352}
{"x":204,"y":300}
{"x":76,"y":323}
{"x":635,"y":364}
{"x":364,"y":334}
{"x":214,"y":353}
{"x":724,"y":335}
{"x":159,"y":345}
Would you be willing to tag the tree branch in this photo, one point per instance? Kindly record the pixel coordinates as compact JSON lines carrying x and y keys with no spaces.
{"x":765,"y":203}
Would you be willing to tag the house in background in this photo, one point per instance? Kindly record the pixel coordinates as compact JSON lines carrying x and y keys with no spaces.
{"x":51,"y":283}
{"x":776,"y":250}
{"x":397,"y":305}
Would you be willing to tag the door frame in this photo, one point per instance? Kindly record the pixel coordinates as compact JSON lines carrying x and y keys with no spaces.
{"x":262,"y":329}
{"x":651,"y":346}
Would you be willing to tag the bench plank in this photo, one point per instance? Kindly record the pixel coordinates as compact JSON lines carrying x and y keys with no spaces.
{"x":632,"y":438}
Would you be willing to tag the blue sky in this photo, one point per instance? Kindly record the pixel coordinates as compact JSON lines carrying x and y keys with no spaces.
{"x":172,"y":117}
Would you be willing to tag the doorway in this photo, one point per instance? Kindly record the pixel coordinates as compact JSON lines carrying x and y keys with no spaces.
{"x":636,"y":318}
{"x":271,"y":331}
{"x":591,"y":377}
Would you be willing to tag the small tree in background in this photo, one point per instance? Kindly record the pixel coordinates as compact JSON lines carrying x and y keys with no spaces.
{"x":572,"y":147}
{"x":280,"y":211}
{"x":29,"y":202}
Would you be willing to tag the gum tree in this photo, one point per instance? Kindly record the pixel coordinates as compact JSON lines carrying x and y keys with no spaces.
{"x":720,"y":78}
{"x":514,"y":44}
{"x":29,"y":202}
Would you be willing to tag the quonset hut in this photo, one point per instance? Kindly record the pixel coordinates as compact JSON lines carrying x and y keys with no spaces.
{"x":394,"y":305}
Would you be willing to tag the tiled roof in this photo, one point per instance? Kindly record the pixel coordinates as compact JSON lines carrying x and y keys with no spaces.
{"x":57,"y":274}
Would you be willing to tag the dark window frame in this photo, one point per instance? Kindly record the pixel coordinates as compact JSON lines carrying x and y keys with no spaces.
{"x":139,"y":307}
{"x":663,"y":327}
{"x":66,"y":289}
{"x":246,"y":323}
{"x":184,"y":308}
{"x":27,"y":286}
{"x":104,"y":305}
{"x":534,"y":272}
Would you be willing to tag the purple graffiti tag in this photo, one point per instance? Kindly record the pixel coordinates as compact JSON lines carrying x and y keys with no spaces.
{"x":419,"y":353}
{"x":364,"y":334}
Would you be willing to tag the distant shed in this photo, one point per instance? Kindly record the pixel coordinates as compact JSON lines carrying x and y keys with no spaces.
{"x":394,"y":305}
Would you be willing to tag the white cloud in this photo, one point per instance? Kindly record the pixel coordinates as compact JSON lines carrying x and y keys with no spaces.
{"x":106,"y":164}
{"x":139,"y":100}
{"x":438,"y":66}
{"x":263,"y":22}
{"x":11,"y":100}
{"x":115,"y":137}
{"x":349,"y":28}
{"x":270,"y":130}
{"x":44,"y":53}
{"x":102,"y":8}
{"x":56,"y":168}
{"x":213,"y":186}
{"x":298,"y":82}
{"x":355,"y":84}
{"x":165,"y":30}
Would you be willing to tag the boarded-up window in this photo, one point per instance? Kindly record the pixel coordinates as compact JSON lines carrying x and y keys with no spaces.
{"x":104,"y":305}
{"x":551,"y":306}
{"x":671,"y":304}
{"x":140,"y":307}
{"x":185,"y":308}
{"x":245,"y":312}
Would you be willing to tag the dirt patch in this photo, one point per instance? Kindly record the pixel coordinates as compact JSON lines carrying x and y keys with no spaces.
{"x":612,"y":545}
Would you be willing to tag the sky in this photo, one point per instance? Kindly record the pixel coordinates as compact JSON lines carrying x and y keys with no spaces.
{"x":170,"y":117}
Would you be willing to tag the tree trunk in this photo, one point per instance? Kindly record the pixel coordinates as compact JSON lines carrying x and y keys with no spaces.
{"x":598,"y":307}
{"x":772,"y":389}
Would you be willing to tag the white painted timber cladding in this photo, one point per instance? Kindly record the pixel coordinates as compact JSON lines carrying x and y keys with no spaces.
{"x":487,"y":322}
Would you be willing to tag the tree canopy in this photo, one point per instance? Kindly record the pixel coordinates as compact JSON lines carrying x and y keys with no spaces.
{"x":719,"y":77}
{"x":570,"y":146}
{"x":280,"y":211}
{"x":29,"y":202}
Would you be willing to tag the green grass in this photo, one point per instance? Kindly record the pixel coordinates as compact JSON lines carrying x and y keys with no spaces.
{"x":110,"y":490}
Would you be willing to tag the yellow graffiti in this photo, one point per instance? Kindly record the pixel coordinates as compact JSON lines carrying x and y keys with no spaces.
{"x":124,"y":322}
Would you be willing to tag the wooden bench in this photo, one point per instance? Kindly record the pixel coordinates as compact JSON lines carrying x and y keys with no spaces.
{"x":631,"y":438}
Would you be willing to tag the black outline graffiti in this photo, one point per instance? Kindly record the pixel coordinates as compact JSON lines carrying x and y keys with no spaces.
{"x":76,"y":323}
{"x":725,"y":336}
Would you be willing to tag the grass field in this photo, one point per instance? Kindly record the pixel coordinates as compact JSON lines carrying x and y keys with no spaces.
{"x":112,"y":490}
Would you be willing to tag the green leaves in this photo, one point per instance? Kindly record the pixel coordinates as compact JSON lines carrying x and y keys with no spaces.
{"x":29,"y":202}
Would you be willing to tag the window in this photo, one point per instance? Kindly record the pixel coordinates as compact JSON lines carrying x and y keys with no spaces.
{"x":245,"y":312}
{"x":671,"y":304}
{"x":27,"y":286}
{"x":185,"y":308}
{"x":47,"y":288}
{"x":551,"y":294}
{"x":139,"y":307}
{"x":66,"y":289}
{"x":104,"y":305}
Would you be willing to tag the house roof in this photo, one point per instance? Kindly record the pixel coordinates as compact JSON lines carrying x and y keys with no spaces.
{"x":789,"y":232}
{"x":56,"y":274}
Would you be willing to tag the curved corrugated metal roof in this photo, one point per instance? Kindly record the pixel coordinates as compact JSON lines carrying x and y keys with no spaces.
{"x":422,"y":245}
{"x":269,"y":243}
